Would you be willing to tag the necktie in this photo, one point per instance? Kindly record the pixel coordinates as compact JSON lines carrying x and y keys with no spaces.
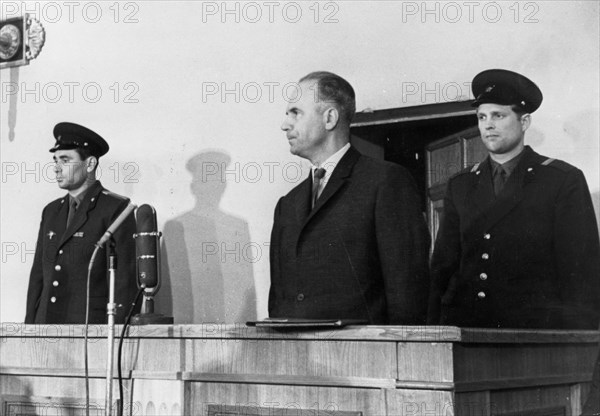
{"x":318,"y":174}
{"x":72,"y":209}
{"x":499,"y":179}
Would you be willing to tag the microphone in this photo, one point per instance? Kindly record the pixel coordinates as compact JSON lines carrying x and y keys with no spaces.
{"x":116,"y":224}
{"x":146,"y":243}
{"x":147,"y":251}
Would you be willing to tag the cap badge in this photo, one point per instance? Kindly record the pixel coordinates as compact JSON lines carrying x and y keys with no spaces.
{"x":489,"y":88}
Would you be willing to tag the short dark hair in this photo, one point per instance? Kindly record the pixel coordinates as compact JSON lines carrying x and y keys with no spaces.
{"x":334,"y":89}
{"x":520,"y":111}
{"x":84,"y":153}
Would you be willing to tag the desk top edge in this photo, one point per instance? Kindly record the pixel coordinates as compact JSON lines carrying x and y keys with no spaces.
{"x":369,"y":333}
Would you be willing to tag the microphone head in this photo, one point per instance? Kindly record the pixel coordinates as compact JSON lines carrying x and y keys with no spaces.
{"x":146,"y":219}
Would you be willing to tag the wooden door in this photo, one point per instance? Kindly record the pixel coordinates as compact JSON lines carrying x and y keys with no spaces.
{"x":446,"y":157}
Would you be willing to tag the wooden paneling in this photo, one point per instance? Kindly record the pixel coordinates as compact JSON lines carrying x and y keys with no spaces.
{"x":33,"y":406}
{"x":444,"y":160}
{"x":420,"y":403}
{"x":488,"y":367}
{"x":146,"y":354}
{"x":475,"y":150}
{"x":425,"y":362}
{"x":150,"y":396}
{"x":290,"y":398}
{"x":23,"y":334}
{"x":473,"y":404}
{"x":548,"y":401}
{"x":300,"y":358}
{"x":376,"y":370}
{"x":57,"y":388}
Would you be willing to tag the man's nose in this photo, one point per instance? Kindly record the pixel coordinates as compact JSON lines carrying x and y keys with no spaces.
{"x":285,"y":126}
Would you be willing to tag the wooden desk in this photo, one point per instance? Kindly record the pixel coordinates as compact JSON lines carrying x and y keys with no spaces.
{"x":363,"y":370}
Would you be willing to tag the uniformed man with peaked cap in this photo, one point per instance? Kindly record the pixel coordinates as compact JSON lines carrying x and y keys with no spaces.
{"x":518,"y":242}
{"x":70,"y":227}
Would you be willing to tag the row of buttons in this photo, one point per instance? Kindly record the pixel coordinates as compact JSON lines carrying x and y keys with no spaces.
{"x":484,"y":276}
{"x":55,"y":283}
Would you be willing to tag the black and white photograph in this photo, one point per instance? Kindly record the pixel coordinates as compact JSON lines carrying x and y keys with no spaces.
{"x":312,"y":207}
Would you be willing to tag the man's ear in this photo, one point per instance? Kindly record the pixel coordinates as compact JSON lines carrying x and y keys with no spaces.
{"x":525,"y":122}
{"x":91,"y":163}
{"x":331,"y":117}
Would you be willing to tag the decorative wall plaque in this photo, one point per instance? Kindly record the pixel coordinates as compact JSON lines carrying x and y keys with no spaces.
{"x":21,"y":39}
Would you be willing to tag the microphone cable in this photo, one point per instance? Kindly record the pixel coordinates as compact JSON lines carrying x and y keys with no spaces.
{"x":129,"y":315}
{"x":87,"y":319}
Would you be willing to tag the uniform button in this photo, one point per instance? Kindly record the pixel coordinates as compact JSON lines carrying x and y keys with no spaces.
{"x":60,"y":251}
{"x":53,"y":299}
{"x":55,"y":283}
{"x":483,"y":276}
{"x":487,"y":236}
{"x":481,"y":295}
{"x":485,"y":256}
{"x":300,"y":297}
{"x":57,"y":267}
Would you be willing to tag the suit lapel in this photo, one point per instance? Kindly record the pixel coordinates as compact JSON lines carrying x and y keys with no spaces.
{"x":87,"y":204}
{"x":338,"y":178}
{"x":303,"y":199}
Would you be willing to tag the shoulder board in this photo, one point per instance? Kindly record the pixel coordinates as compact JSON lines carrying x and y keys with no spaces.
{"x":475,"y":167}
{"x":59,"y":201}
{"x":116,"y":196}
{"x":557,"y":164}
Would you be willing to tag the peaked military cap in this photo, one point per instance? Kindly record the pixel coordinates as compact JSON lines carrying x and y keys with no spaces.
{"x":499,"y":86}
{"x":72,"y":136}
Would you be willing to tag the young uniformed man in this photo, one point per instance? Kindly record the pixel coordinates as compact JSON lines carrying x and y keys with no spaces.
{"x":518,"y":240}
{"x":70,"y":227}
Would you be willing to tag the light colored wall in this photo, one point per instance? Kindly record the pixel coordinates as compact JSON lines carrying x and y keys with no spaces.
{"x":394,"y":53}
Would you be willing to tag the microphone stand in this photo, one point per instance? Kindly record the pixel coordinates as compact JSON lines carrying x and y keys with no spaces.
{"x":111,"y":312}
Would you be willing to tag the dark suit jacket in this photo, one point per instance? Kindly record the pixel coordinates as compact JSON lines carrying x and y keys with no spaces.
{"x":361,"y":253}
{"x":529,"y":258}
{"x":60,"y":265}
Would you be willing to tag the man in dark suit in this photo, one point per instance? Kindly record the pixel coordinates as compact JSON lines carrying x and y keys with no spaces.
{"x":518,"y":240}
{"x":70,"y":227}
{"x":350,"y":241}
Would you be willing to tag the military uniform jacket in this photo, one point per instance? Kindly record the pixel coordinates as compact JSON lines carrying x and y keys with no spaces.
{"x":528,"y":258}
{"x":360,"y":253}
{"x":57,"y":284}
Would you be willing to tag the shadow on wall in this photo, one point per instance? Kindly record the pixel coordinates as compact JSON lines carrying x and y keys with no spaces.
{"x":207,"y":275}
{"x":583,"y":129}
{"x":596,"y":202}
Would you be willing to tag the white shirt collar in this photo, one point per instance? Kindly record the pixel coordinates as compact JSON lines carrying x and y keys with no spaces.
{"x":331,"y":162}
